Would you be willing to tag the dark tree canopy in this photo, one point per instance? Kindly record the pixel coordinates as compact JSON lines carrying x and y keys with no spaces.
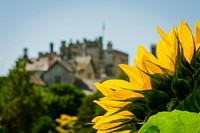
{"x":20,"y":104}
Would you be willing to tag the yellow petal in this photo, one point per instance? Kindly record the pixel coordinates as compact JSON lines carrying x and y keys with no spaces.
{"x":106,"y":119}
{"x":151,"y":67}
{"x":135,"y":76}
{"x":186,"y":39}
{"x":170,"y":43}
{"x":142,"y":56}
{"x":110,"y":104}
{"x":143,"y":52}
{"x":163,"y":35}
{"x":104,"y":90}
{"x":123,"y":95}
{"x":163,"y":54}
{"x":197,"y":35}
{"x":117,"y":84}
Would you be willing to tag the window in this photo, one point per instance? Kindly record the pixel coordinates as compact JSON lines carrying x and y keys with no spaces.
{"x":110,"y":70}
{"x":89,"y":76}
{"x":57,"y":79}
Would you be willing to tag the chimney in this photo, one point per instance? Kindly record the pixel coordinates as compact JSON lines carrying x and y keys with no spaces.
{"x":109,"y":46}
{"x":25,"y":53}
{"x":153,"y":49}
{"x":100,"y":39}
{"x":51,"y":47}
{"x":40,"y":54}
{"x":62,"y":48}
{"x":63,"y":43}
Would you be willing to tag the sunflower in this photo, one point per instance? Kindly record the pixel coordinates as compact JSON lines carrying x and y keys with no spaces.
{"x":162,"y":83}
{"x":67,"y":123}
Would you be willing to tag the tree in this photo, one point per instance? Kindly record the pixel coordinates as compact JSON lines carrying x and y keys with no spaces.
{"x":20,"y":104}
{"x":88,"y":111}
{"x":45,"y":124}
{"x":62,"y":99}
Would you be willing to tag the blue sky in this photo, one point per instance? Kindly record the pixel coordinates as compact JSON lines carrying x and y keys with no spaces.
{"x":129,"y":23}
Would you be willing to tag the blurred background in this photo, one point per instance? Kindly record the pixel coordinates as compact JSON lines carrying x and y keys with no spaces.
{"x":127,"y":24}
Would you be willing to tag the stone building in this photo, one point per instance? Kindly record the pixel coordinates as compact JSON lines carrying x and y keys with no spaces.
{"x":105,"y":60}
{"x":80,"y":63}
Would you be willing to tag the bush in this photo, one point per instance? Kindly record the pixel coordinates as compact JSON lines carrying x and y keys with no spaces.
{"x":88,"y":111}
{"x":62,"y":99}
{"x":45,"y":124}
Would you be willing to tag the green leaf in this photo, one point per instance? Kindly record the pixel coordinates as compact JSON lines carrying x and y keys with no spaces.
{"x":172,"y":122}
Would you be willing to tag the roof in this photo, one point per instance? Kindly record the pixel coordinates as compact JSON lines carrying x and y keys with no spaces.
{"x":86,"y":85}
{"x":38,"y":65}
{"x":120,"y":52}
{"x":64,"y":64}
{"x":43,"y":64}
{"x":82,"y":62}
{"x":37,"y":80}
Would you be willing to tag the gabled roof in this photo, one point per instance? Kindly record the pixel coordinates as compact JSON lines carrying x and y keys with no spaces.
{"x":37,"y":80}
{"x":82,"y":62}
{"x":63,"y":64}
{"x":38,"y":65}
{"x":86,"y":85}
{"x":43,"y":64}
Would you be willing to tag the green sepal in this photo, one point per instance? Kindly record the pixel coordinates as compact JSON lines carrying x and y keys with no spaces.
{"x":181,"y":88}
{"x":182,"y":60}
{"x":162,"y":82}
{"x":183,"y":69}
{"x":150,"y":113}
{"x":123,"y":128}
{"x":196,"y":76}
{"x":156,"y":99}
{"x":191,"y":103}
{"x":196,"y":60}
{"x":173,"y":104}
{"x":165,"y":71}
{"x":133,"y":125}
{"x":198,"y":56}
{"x":139,"y":109}
{"x":193,"y":61}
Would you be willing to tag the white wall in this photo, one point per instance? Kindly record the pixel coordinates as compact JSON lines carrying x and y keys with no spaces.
{"x":58,"y":70}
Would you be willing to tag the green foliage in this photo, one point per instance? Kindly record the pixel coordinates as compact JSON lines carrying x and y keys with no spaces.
{"x":26,"y":108}
{"x":172,"y":122}
{"x":62,"y":99}
{"x":20,"y":104}
{"x":2,"y":130}
{"x":88,"y":111}
{"x":45,"y":124}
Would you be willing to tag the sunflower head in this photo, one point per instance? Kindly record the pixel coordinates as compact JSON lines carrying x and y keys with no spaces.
{"x":169,"y":81}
